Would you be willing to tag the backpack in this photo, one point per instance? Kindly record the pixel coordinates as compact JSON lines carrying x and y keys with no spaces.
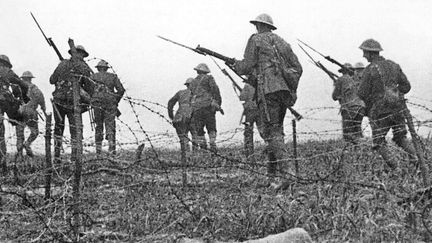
{"x":391,"y":97}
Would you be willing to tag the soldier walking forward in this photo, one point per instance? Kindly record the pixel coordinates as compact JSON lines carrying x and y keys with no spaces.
{"x":277,"y":70}
{"x":108,"y":91}
{"x":251,"y":113}
{"x":68,"y":71}
{"x":383,"y":88}
{"x":182,"y":119}
{"x":9,"y":102}
{"x":206,"y":100}
{"x":30,"y":114}
{"x":351,"y":106}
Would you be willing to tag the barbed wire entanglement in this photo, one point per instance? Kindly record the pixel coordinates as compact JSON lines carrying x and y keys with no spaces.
{"x":343,"y":191}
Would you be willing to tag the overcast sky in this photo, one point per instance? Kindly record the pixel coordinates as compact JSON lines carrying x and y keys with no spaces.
{"x":124,"y":34}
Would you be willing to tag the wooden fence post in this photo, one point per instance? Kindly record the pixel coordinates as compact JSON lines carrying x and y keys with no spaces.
{"x":48,"y":161}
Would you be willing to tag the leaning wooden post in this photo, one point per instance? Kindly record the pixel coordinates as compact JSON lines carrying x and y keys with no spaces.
{"x":48,"y":161}
{"x":294,"y":126}
{"x":77,"y":149}
{"x":417,"y":146}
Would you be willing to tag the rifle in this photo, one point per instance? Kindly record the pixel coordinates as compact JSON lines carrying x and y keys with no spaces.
{"x":49,"y":40}
{"x":320,"y":65}
{"x":229,"y":62}
{"x":328,"y":58}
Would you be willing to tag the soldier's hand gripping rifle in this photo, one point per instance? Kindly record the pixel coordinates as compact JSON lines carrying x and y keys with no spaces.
{"x":49,"y":40}
{"x":328,"y":58}
{"x":228,"y":61}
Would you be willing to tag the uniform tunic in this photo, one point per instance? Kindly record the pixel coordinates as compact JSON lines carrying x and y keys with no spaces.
{"x":381,"y":73}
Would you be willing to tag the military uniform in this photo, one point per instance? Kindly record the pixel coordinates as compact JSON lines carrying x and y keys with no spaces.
{"x":261,"y":60}
{"x":352,"y":107}
{"x":384,"y":112}
{"x":67,"y":72}
{"x":205,"y":101}
{"x":251,"y":114}
{"x":182,"y":118}
{"x":9,"y":102}
{"x":30,"y":115}
{"x":108,"y":91}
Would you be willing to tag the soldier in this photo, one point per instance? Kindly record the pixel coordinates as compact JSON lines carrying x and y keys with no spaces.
{"x":358,"y":71}
{"x":206,"y":100}
{"x":68,"y":71}
{"x":30,"y":114}
{"x":108,"y":91}
{"x":182,"y":118}
{"x":277,"y":70}
{"x":9,"y":102}
{"x":251,"y":113}
{"x":382,"y":89}
{"x":352,"y":107}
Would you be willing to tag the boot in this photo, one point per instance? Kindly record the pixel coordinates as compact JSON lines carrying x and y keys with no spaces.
{"x":271,"y":165}
{"x":387,"y":156}
{"x":112,"y":147}
{"x":28,"y":149}
{"x":212,"y":138}
{"x":98,"y":147}
{"x":202,"y":143}
{"x":409,"y":149}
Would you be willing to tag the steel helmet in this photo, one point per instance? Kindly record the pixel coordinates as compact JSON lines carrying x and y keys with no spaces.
{"x":265,"y":19}
{"x":202,"y":67}
{"x":188,"y":81}
{"x":346,"y":66}
{"x":82,"y":49}
{"x":27,"y":74}
{"x":5,"y":60}
{"x":102,"y":63}
{"x":359,"y":65}
{"x":371,"y":45}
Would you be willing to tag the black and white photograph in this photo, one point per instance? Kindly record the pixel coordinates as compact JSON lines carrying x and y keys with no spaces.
{"x":215,"y":121}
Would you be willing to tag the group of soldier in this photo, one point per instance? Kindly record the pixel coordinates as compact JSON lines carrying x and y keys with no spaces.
{"x":99,"y":94}
{"x":273,"y":70}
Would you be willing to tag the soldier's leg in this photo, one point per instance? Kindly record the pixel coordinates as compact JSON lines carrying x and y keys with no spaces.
{"x":59,"y":123}
{"x":211,"y":129}
{"x":399,"y":137}
{"x":198,"y":123}
{"x":380,"y":126}
{"x":345,"y":126}
{"x":99,"y":122}
{"x":248,"y":139}
{"x":34,"y":132}
{"x":19,"y":128}
{"x":110,"y":129}
{"x":273,"y":131}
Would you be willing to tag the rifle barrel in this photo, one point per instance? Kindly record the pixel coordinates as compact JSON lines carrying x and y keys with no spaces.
{"x":37,"y":23}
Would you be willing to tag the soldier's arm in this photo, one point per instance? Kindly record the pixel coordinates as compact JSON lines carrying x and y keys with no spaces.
{"x":365,"y":87}
{"x":59,"y":72}
{"x":119,"y":88}
{"x":171,"y":104}
{"x":291,"y":58}
{"x":214,"y":90}
{"x":16,"y":85}
{"x":336,"y":95}
{"x":404,"y":85}
{"x":41,"y":100}
{"x":250,"y":58}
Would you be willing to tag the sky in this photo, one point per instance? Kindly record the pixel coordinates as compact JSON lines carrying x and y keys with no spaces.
{"x":124,"y":33}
